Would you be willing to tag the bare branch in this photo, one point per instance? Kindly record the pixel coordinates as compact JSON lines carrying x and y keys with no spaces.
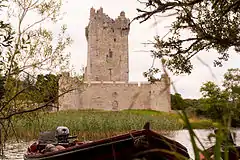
{"x":162,"y":7}
{"x":35,"y":23}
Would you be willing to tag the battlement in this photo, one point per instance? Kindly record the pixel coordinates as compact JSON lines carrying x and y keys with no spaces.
{"x":67,"y":79}
{"x":99,"y":15}
{"x":139,"y":84}
{"x":103,"y":20}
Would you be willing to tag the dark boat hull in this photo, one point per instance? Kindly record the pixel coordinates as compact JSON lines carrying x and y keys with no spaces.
{"x":138,"y":144}
{"x":233,"y":152}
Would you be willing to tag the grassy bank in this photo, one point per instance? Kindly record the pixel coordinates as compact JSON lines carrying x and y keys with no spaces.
{"x":201,"y":124}
{"x":92,"y":124}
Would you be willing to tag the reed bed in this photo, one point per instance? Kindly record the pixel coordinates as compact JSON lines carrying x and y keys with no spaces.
{"x":92,"y":124}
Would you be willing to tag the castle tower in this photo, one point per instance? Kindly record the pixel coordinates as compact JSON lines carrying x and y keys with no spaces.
{"x":107,"y":47}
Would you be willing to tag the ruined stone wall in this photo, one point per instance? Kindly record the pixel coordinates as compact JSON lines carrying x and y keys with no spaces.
{"x":71,"y":88}
{"x":107,"y":47}
{"x":109,"y":95}
{"x":160,"y":95}
{"x":116,"y":96}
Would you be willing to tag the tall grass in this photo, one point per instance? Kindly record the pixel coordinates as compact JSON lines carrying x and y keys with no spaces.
{"x":91,"y":124}
{"x":220,"y":150}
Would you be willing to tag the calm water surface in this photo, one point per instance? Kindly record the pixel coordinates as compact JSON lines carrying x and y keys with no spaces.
{"x":15,"y":151}
{"x":183,"y":137}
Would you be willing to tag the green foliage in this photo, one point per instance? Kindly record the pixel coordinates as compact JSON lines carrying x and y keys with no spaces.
{"x":211,"y":25}
{"x":177,"y":102}
{"x":210,"y":90}
{"x":221,"y":104}
{"x":46,"y":87}
{"x":223,"y":147}
{"x":216,"y":103}
{"x":231,"y":86}
{"x":27,"y":49}
{"x":150,"y":74}
{"x":93,"y":124}
{"x":144,"y":112}
{"x":32,"y":50}
{"x":202,"y":124}
{"x":232,"y":83}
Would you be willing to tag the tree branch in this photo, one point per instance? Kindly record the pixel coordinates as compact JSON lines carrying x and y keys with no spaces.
{"x":35,"y":109}
{"x":162,"y":7}
{"x":15,"y":96}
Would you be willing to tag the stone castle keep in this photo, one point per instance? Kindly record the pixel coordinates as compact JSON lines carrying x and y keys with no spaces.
{"x":106,"y":79}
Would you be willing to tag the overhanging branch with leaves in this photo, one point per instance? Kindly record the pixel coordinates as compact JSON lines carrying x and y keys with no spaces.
{"x":208,"y":24}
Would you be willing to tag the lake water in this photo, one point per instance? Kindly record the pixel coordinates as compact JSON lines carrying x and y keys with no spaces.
{"x":15,"y":151}
{"x":183,"y":137}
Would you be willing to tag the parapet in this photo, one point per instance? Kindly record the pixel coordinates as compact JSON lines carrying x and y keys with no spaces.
{"x":121,"y":22}
{"x":164,"y":81}
{"x":136,"y":84}
{"x":105,"y":82}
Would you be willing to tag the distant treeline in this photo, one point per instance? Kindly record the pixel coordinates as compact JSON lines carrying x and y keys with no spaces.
{"x":219,"y":103}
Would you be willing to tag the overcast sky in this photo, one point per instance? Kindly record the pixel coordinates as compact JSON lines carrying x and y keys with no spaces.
{"x":77,"y":17}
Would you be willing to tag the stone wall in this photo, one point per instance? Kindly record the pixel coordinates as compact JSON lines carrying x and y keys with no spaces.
{"x":110,"y":95}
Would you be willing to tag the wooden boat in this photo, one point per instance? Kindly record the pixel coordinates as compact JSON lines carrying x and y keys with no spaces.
{"x":142,"y":144}
{"x":228,"y":145}
{"x":233,"y":153}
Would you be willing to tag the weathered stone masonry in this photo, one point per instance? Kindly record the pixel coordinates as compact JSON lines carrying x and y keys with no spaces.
{"x":106,"y":83}
{"x":107,"y":47}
